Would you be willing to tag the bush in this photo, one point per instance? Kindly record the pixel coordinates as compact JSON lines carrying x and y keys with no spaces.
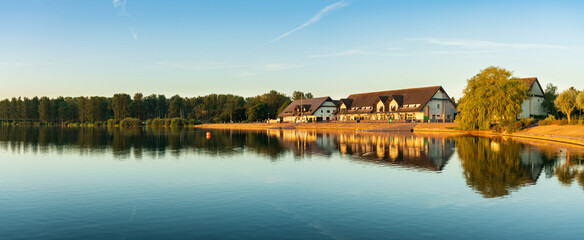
{"x":547,"y":121}
{"x":148,"y":122}
{"x":497,"y":128}
{"x":514,"y":127}
{"x":111,"y":122}
{"x":167,"y":122}
{"x":178,"y":122}
{"x":130,"y":122}
{"x":527,"y":122}
{"x":157,"y":122}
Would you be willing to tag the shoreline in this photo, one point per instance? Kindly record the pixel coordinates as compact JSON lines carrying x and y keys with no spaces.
{"x":565,"y":134}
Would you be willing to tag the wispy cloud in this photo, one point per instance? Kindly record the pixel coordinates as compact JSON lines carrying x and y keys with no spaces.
{"x":465,"y":43}
{"x":121,"y":4}
{"x":323,"y":12}
{"x":134,"y":34}
{"x":394,"y":52}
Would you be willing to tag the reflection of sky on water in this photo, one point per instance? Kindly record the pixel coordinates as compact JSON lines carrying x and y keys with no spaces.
{"x":493,"y":167}
{"x":154,"y":183}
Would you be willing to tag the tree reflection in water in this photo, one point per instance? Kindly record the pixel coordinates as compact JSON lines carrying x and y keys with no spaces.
{"x":493,"y":167}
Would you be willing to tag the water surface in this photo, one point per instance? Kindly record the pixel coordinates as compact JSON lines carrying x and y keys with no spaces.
{"x":149,"y":183}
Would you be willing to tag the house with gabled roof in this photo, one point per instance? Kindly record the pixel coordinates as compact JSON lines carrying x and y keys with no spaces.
{"x":309,"y":110}
{"x":412,"y":104}
{"x":533,"y":105}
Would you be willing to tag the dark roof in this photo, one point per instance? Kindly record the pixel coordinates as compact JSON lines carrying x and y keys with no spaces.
{"x":347,"y":102}
{"x":528,"y":81}
{"x":383,"y":99}
{"x":399,"y":99}
{"x":402,"y":96}
{"x":311,"y":104}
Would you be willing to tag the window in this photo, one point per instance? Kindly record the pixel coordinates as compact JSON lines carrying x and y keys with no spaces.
{"x":321,"y":111}
{"x":438,"y":105}
{"x":328,"y":111}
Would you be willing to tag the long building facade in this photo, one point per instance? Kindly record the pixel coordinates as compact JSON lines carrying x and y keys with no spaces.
{"x":413,"y":104}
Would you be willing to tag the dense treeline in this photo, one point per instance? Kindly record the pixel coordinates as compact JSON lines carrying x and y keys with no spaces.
{"x":209,"y":108}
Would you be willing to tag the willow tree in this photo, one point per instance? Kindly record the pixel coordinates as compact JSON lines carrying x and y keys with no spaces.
{"x":566,"y":101}
{"x":491,"y":96}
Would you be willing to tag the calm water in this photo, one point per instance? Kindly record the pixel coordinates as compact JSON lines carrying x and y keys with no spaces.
{"x":99,"y":183}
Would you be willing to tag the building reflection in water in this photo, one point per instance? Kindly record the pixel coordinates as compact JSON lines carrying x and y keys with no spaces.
{"x":399,"y":149}
{"x":494,"y":167}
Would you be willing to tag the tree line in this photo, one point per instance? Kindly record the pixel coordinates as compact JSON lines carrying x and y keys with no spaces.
{"x":209,"y":108}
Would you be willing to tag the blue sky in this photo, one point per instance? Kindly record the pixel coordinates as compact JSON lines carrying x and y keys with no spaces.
{"x":330,"y":48}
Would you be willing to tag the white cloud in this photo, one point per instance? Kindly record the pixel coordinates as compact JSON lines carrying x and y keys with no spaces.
{"x":390,"y":52}
{"x":134,"y":34}
{"x":120,"y":4}
{"x":323,"y":12}
{"x":487,"y":44}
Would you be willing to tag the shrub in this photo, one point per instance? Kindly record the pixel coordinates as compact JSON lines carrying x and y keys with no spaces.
{"x":497,"y":128}
{"x":167,"y":122}
{"x":111,"y":122}
{"x":514,"y":127}
{"x":527,"y":122}
{"x":547,"y":121}
{"x":157,"y":122}
{"x":130,"y":122}
{"x":148,"y":122}
{"x":178,"y":122}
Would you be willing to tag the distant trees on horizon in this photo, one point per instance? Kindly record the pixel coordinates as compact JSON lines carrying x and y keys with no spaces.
{"x":209,"y":108}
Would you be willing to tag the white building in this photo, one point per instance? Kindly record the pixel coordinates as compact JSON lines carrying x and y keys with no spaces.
{"x":309,"y":110}
{"x":533,"y":105}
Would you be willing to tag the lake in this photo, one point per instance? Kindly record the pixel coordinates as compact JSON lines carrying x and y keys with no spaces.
{"x":161,"y":183}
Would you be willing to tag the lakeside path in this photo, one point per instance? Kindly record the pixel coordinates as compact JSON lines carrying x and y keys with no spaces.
{"x":570,"y":134}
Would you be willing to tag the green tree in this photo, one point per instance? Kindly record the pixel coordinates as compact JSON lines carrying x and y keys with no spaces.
{"x":4,"y":110}
{"x":121,"y":106}
{"x":138,"y":106}
{"x":272,"y":99}
{"x":580,"y":102}
{"x":82,"y":108}
{"x":258,"y":112}
{"x":491,"y":96}
{"x":566,"y":102}
{"x":45,"y":109}
{"x":297,"y":95}
{"x":284,"y":105}
{"x":175,"y":108}
{"x":550,"y":94}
